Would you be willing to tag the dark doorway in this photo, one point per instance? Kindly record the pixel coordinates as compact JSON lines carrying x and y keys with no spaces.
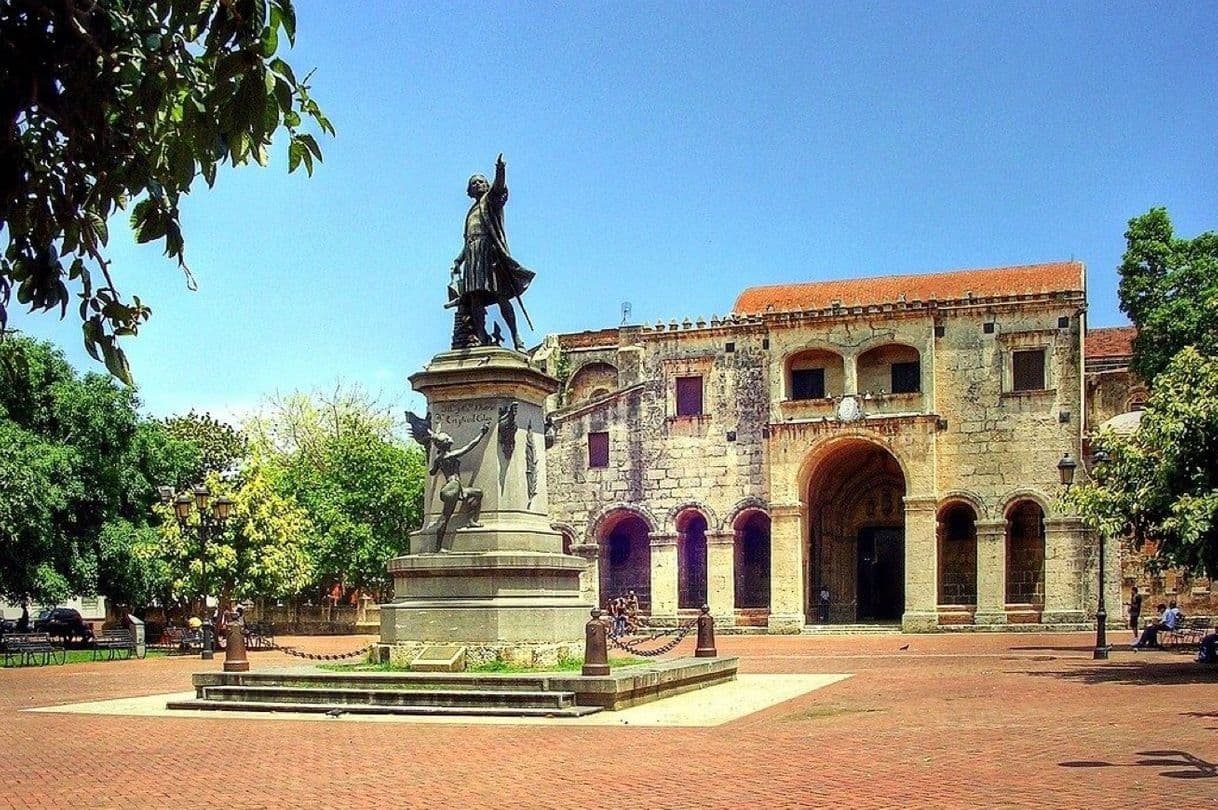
{"x":626,"y":560}
{"x":691,"y":560}
{"x":881,"y":574}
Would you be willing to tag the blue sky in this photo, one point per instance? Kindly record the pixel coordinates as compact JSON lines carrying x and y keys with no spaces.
{"x":669,"y":155}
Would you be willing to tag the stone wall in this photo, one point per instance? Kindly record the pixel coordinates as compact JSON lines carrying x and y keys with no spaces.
{"x":965,"y":437}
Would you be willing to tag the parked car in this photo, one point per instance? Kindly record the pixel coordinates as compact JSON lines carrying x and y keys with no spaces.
{"x":65,"y":624}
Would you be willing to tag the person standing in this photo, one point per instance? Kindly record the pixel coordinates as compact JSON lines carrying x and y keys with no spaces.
{"x":1135,"y":612}
{"x":822,"y":605}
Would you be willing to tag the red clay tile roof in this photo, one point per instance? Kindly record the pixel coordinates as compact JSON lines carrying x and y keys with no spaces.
{"x":1111,"y":341}
{"x":996,"y":281}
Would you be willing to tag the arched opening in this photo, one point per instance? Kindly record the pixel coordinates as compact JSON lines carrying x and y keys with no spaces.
{"x":751,"y":556}
{"x":957,"y":537}
{"x":1025,"y":554}
{"x":591,"y":381}
{"x":856,"y":518}
{"x":815,"y":374}
{"x":625,"y":559}
{"x":691,"y":559}
{"x":890,"y":369}
{"x":568,"y":540}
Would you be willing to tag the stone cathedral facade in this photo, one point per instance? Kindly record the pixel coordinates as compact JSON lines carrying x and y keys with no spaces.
{"x":890,"y":442}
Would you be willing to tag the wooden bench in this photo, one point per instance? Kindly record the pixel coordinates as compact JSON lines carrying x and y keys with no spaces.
{"x":114,"y":643}
{"x":1187,"y":634}
{"x":27,"y":647}
{"x":181,"y":640}
{"x":260,"y":636}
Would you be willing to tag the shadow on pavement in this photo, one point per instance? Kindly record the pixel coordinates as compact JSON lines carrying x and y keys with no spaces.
{"x":1183,"y":765}
{"x":1137,"y":673}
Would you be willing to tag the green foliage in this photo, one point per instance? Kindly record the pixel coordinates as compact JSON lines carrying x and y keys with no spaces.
{"x":260,"y":551}
{"x":1160,"y":483}
{"x":113,"y":104}
{"x":1169,"y":289}
{"x":221,"y":446}
{"x":362,"y":486}
{"x":78,"y":470}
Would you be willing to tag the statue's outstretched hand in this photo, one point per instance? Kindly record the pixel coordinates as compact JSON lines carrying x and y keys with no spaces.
{"x":499,"y":164}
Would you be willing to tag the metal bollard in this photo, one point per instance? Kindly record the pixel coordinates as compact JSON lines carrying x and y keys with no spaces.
{"x":596,"y":646}
{"x":234,"y":650}
{"x":706,"y":635}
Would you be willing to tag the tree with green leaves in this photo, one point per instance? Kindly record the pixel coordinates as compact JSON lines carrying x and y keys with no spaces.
{"x":262,"y":550}
{"x":1169,"y":289}
{"x":78,"y":471}
{"x":339,"y":455}
{"x":107,"y":105}
{"x":1159,"y":484}
{"x":221,"y":446}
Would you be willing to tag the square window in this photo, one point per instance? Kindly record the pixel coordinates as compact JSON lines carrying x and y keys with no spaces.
{"x":988,"y":327}
{"x":1063,"y":322}
{"x":907,"y":377}
{"x":598,"y":449}
{"x":807,"y":383}
{"x":730,"y":346}
{"x":689,"y":396}
{"x":940,"y":330}
{"x":1028,"y":370}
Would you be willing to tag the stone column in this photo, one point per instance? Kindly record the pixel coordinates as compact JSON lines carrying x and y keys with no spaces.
{"x":787,"y":579}
{"x":991,"y":572}
{"x":850,"y":375}
{"x":664,"y":576}
{"x":721,"y":577}
{"x":921,"y":564}
{"x":590,"y":579}
{"x":1065,"y":566}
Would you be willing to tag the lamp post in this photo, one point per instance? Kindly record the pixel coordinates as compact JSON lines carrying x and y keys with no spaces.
{"x":1065,"y":468}
{"x":209,"y":518}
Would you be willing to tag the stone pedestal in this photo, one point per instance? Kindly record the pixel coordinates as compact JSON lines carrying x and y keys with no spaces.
{"x":502,"y":582}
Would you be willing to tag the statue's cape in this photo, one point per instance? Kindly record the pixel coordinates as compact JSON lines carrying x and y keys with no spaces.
{"x":517,"y":276}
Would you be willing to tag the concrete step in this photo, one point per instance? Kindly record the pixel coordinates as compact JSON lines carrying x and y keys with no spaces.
{"x":851,"y":629}
{"x":423,"y":711}
{"x":453,"y":681}
{"x":389,"y":697}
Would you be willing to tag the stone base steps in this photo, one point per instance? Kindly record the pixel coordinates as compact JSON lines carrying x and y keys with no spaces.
{"x":851,"y":630}
{"x":355,"y":708}
{"x":550,"y":694}
{"x":451,"y":698}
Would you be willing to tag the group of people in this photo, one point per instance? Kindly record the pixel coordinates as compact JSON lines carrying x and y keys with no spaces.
{"x":624,"y":614}
{"x":1170,"y":618}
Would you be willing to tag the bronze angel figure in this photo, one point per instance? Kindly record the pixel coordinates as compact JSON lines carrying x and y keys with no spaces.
{"x":446,"y":460}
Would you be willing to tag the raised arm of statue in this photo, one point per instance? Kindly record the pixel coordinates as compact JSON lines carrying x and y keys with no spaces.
{"x":499,"y":188}
{"x":472,"y":443}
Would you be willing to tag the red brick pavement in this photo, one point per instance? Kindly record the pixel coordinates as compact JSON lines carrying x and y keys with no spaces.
{"x":957,"y":720}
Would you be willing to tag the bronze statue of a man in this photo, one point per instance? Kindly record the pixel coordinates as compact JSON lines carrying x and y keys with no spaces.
{"x":484,"y":272}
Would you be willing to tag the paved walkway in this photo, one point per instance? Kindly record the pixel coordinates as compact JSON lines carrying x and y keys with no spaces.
{"x":957,"y":720}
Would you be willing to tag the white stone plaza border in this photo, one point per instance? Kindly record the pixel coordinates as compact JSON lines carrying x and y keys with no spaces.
{"x":712,"y":706}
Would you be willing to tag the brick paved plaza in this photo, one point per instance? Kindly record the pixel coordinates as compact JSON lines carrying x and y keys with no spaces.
{"x":955,"y":720}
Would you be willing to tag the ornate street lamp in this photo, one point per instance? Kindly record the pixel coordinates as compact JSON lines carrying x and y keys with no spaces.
{"x":1065,"y":468}
{"x":213,"y":518}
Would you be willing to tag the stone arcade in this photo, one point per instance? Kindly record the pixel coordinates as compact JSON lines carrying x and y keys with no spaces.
{"x":893,"y":440}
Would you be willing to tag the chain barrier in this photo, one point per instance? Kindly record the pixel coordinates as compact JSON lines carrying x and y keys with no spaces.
{"x":679,"y":633}
{"x":320,"y":656}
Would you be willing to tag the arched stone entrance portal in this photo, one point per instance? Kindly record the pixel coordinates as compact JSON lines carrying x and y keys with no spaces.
{"x":856,"y":516}
{"x":625,"y":558}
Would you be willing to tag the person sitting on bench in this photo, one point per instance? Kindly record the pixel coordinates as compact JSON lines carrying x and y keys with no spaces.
{"x":1170,"y":620}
